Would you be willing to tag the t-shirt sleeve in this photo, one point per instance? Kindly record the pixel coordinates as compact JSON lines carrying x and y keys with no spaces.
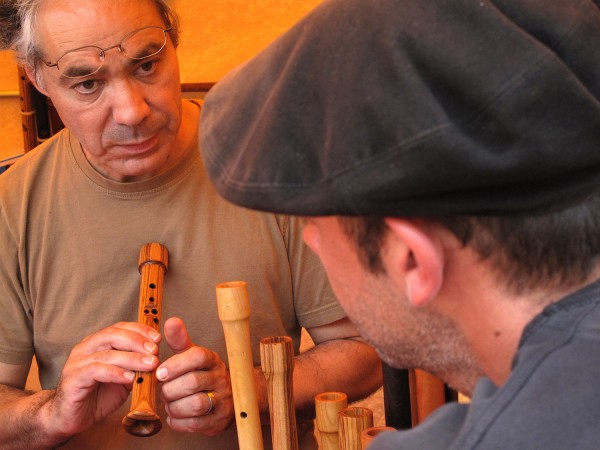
{"x":314,"y":301}
{"x":16,"y":334}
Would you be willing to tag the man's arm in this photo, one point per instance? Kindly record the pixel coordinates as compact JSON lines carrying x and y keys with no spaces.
{"x":19,"y":411}
{"x":339,"y":361}
{"x":95,"y":381}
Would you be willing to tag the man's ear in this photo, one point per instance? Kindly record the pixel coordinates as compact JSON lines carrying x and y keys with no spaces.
{"x":35,"y":79}
{"x":418,"y":258}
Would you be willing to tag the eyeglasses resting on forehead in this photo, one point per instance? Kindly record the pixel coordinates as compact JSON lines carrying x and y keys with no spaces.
{"x":137,"y":45}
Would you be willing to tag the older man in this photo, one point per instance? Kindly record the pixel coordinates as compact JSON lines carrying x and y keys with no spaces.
{"x":74,"y":214}
{"x":464,"y":138}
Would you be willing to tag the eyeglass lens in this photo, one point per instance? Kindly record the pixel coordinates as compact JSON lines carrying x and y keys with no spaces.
{"x":137,"y":45}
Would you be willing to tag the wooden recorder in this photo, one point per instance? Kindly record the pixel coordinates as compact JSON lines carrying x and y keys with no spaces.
{"x":142,"y":419}
{"x":234,"y":313}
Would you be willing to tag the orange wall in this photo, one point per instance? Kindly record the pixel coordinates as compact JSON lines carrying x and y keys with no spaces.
{"x":11,"y":140}
{"x":217,"y":35}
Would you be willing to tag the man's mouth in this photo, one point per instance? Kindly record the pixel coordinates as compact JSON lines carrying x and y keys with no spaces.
{"x":139,"y":146}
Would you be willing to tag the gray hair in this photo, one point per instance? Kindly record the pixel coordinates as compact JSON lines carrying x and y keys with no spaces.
{"x":18,"y":28}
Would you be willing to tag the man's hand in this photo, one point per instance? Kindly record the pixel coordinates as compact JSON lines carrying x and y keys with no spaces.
{"x":189,"y":377}
{"x":97,"y":377}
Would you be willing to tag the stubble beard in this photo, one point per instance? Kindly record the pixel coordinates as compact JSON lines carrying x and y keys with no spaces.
{"x":406,"y":336}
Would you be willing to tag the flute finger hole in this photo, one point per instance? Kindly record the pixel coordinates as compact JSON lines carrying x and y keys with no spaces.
{"x":139,"y":380}
{"x":152,"y":286}
{"x":243,"y":414}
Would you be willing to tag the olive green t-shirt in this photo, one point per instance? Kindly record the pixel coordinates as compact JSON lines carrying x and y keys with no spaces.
{"x":70,"y":241}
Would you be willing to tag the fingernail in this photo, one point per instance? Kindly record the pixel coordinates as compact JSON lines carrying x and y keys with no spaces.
{"x":162,"y":373}
{"x":129,"y":375}
{"x":150,"y":346}
{"x":149,"y":360}
{"x":154,"y":335}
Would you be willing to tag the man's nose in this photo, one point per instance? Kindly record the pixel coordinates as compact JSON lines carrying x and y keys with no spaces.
{"x":129,"y":105}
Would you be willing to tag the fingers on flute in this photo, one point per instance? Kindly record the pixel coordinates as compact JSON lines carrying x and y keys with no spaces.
{"x":144,"y":330}
{"x":114,"y":353}
{"x":111,"y":366}
{"x":126,"y":336}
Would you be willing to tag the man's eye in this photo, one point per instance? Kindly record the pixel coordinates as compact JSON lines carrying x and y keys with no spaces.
{"x":86,"y":87}
{"x":147,"y":66}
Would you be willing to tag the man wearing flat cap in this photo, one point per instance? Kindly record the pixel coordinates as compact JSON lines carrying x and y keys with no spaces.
{"x":446,"y":156}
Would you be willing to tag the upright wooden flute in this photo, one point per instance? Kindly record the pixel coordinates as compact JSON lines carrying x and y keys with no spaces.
{"x":277,"y":362}
{"x":142,"y":419}
{"x":234,"y":313}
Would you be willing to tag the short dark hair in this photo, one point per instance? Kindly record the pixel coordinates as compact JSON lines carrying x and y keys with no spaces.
{"x":368,"y":234}
{"x":549,"y":250}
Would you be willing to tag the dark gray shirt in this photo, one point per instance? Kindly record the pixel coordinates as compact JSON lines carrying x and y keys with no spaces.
{"x":550,"y":401}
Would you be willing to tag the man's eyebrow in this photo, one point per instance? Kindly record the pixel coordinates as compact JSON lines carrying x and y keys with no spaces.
{"x":151,"y":47}
{"x":78,"y":71}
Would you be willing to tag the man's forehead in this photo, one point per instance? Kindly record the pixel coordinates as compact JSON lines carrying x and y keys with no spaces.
{"x":63,"y":25}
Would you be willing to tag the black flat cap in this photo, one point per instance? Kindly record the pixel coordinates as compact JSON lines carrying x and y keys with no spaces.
{"x":414,"y":107}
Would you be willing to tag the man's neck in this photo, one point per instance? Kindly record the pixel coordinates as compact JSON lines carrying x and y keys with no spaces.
{"x":492,"y":319}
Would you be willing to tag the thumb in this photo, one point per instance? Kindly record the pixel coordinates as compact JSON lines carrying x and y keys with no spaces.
{"x":176,"y":335}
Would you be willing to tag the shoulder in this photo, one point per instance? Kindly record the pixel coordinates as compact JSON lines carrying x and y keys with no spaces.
{"x":439,"y":431}
{"x":37,"y":158}
{"x":34,"y":171}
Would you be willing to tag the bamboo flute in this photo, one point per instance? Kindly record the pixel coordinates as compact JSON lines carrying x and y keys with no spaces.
{"x":142,"y":419}
{"x":234,"y":313}
{"x":277,"y":362}
{"x":328,"y":406}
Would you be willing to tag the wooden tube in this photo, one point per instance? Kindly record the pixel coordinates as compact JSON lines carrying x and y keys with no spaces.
{"x":27,"y":111}
{"x":234,"y":313}
{"x":427,"y":393}
{"x":277,"y":362}
{"x":142,"y":419}
{"x":368,"y":434}
{"x":353,"y":421}
{"x":328,"y":406}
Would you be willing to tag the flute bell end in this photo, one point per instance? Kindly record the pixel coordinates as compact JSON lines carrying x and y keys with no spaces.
{"x":142,"y":424}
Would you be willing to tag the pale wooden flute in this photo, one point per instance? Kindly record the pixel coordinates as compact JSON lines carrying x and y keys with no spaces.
{"x":328,"y":406}
{"x":142,"y":419}
{"x":234,"y":313}
{"x":277,"y":363}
